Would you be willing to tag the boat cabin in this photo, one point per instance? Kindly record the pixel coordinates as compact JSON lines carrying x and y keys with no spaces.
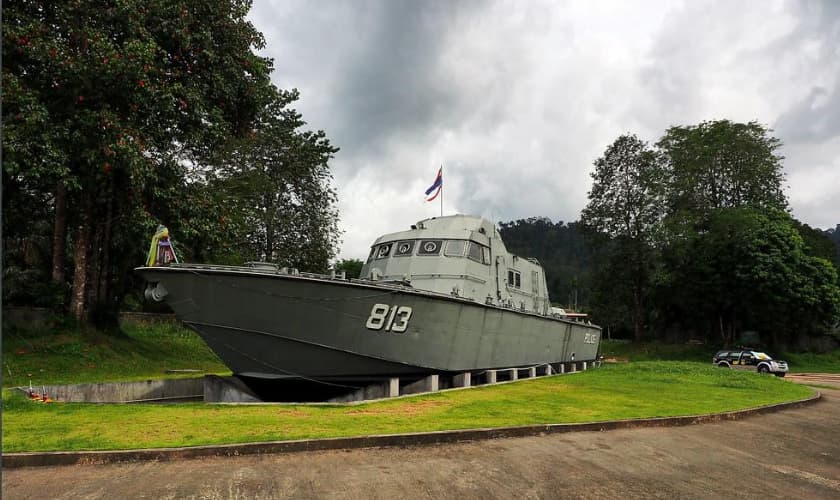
{"x":463,"y":256}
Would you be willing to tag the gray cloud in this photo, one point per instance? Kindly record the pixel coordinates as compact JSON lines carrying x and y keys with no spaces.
{"x":815,"y":117}
{"x":518,"y":99}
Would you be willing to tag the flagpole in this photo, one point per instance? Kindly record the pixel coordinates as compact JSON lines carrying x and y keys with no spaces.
{"x":441,"y":190}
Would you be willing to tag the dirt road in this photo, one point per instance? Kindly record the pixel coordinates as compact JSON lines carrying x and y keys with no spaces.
{"x":789,"y":454}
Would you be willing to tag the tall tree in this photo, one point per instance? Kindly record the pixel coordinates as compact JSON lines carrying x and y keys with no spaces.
{"x":114,"y":92}
{"x":277,"y":190}
{"x":626,"y":204}
{"x":751,"y":270}
{"x":721,"y":164}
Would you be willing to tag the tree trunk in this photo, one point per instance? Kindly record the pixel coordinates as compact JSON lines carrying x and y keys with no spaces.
{"x":100,"y":308}
{"x":59,"y":246}
{"x":80,"y":268}
{"x":93,"y":265}
{"x":105,"y":267}
{"x":638,"y":329}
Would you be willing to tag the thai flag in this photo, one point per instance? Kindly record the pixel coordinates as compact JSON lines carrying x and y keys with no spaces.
{"x":436,"y":186}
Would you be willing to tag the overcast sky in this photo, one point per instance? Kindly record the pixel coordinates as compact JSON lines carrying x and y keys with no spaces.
{"x":517,"y":98}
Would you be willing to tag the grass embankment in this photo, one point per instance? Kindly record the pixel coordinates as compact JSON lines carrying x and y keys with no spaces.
{"x":68,"y":355}
{"x":649,"y":351}
{"x":623,"y":391}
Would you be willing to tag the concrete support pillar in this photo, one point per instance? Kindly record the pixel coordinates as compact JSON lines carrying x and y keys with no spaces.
{"x":532,"y":372}
{"x":427,"y":384}
{"x":491,"y":376}
{"x":584,"y":366}
{"x":433,"y":383}
{"x":514,"y":374}
{"x":549,"y":370}
{"x":462,"y":380}
{"x":573,"y":367}
{"x":393,"y":387}
{"x":562,"y":367}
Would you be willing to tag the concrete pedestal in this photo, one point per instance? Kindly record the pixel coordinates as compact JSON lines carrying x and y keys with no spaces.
{"x":427,"y":384}
{"x":462,"y":379}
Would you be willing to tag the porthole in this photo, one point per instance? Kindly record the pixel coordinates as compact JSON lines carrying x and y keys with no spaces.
{"x":384,"y":251}
{"x":404,"y":248}
{"x":430,"y":247}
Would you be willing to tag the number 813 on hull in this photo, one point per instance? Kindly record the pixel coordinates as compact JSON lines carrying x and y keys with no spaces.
{"x":394,"y":318}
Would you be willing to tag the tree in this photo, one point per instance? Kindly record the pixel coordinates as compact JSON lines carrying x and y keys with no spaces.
{"x":276,"y":190}
{"x":833,"y":234}
{"x":751,"y":270}
{"x":561,"y":250}
{"x":625,"y":205}
{"x":352,"y":267}
{"x":97,"y":99}
{"x":721,"y":164}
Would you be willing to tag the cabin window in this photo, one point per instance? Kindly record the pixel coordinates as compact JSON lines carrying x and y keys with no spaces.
{"x":485,"y":252}
{"x":430,"y":247}
{"x":514,"y":279}
{"x":535,"y":276}
{"x":404,"y":248}
{"x":474,"y":252}
{"x":455,"y":248}
{"x":372,"y":253}
{"x":383,"y":251}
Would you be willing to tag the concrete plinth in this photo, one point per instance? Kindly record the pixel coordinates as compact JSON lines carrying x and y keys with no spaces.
{"x":125,"y":392}
{"x":393,"y":387}
{"x":584,"y":366}
{"x":462,"y":380}
{"x":491,"y":376}
{"x":227,"y":390}
{"x":532,"y":372}
{"x":573,"y":368}
{"x":427,"y":384}
{"x":562,"y":368}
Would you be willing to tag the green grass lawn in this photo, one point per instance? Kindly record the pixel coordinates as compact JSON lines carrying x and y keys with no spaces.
{"x":633,"y":390}
{"x":65,"y":355}
{"x":654,"y":351}
{"x":809,"y":362}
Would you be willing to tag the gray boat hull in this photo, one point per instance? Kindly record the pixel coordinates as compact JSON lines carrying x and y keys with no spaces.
{"x":272,"y":325}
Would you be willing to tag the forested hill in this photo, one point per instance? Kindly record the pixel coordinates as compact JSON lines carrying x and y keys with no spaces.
{"x":570,"y":263}
{"x":561,"y":250}
{"x":834,"y":236}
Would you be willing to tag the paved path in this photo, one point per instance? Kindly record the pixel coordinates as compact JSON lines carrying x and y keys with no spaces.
{"x":789,"y":454}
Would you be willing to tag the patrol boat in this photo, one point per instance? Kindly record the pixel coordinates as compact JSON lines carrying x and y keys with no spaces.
{"x":443,"y":297}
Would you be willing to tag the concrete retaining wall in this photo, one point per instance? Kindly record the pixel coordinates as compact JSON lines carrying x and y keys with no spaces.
{"x":126,"y":392}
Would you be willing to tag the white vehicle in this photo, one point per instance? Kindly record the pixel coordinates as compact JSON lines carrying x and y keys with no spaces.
{"x":744,"y":359}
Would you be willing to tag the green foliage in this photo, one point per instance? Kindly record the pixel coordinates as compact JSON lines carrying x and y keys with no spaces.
{"x":749,"y":270}
{"x":636,"y":390}
{"x":657,"y":351}
{"x":561,"y":250}
{"x":626,"y":196}
{"x":274,"y":189}
{"x":65,"y":354}
{"x":811,"y":362}
{"x":801,"y":362}
{"x":352,"y":267}
{"x":625,"y":205}
{"x":721,"y":164}
{"x":130,"y":108}
{"x":700,"y":241}
{"x":817,"y":242}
